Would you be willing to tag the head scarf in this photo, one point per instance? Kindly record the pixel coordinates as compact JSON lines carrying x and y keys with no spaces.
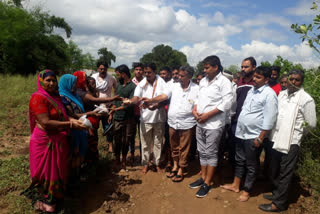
{"x":54,"y":100}
{"x":81,"y":83}
{"x":65,"y":88}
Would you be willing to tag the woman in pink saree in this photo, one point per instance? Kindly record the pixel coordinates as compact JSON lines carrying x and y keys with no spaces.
{"x":49,"y":150}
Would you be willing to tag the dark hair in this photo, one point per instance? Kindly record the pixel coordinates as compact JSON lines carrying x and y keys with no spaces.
{"x":299,"y":72}
{"x":123,"y":69}
{"x":227,"y":71}
{"x":276,"y":68}
{"x":284,"y":76}
{"x":264,"y":70}
{"x":213,"y":60}
{"x":252,"y":60}
{"x":166,"y":68}
{"x":150,"y":65}
{"x":137,"y":64}
{"x":175,"y":67}
{"x":237,"y":75}
{"x":102,"y":63}
{"x":188,"y":69}
{"x":89,"y":79}
{"x":201,"y":73}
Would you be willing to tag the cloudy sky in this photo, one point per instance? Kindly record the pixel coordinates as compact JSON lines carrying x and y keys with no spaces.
{"x":230,"y":29}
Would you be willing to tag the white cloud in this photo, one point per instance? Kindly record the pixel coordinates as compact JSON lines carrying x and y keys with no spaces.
{"x":302,"y":9}
{"x":126,"y":52}
{"x":265,"y":19}
{"x":130,"y":29}
{"x":260,"y":50}
{"x":267,"y":34}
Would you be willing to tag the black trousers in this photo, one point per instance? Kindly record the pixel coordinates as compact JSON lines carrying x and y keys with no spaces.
{"x":246,"y":162}
{"x":282,"y":169}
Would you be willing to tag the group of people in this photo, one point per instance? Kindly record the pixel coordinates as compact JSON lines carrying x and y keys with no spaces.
{"x":176,"y":117}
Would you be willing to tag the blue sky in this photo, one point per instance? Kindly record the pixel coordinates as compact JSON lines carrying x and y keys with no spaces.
{"x":229,"y":29}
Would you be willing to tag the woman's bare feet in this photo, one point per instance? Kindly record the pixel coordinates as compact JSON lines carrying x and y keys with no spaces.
{"x":144,"y":170}
{"x":231,"y":187}
{"x":244,"y":196}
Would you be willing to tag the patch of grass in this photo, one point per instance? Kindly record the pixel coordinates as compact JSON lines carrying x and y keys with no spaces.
{"x":5,"y":153}
{"x":15,"y":94}
{"x":14,"y":178}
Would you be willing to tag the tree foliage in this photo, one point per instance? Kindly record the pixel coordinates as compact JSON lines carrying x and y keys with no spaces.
{"x":27,"y":40}
{"x":164,"y":55}
{"x":310,"y":32}
{"x":106,"y":56}
{"x":284,"y":64}
{"x":309,"y":166}
{"x":233,"y":68}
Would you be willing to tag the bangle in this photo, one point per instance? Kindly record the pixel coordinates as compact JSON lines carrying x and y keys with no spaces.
{"x":71,"y":124}
{"x":259,"y":141}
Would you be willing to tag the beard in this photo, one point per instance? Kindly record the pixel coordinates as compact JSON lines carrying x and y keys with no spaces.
{"x":121,"y":81}
{"x":272,"y":82}
{"x":249,"y":74}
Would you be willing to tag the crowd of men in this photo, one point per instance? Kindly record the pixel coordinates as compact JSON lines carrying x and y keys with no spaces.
{"x":240,"y":114}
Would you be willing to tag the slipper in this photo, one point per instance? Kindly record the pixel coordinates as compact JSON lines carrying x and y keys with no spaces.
{"x":179,"y":177}
{"x":172,"y":174}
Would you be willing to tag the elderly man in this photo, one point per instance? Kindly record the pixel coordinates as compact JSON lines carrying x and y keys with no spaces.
{"x":152,"y":117}
{"x":215,"y":97}
{"x":257,"y":118}
{"x":296,"y":108}
{"x":180,"y":119}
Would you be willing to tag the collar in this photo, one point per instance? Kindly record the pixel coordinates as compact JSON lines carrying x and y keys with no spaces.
{"x":189,"y":86}
{"x":214,"y":79}
{"x":260,"y":89}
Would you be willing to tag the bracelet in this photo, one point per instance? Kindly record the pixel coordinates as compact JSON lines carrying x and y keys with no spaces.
{"x":71,"y":124}
{"x":259,"y":141}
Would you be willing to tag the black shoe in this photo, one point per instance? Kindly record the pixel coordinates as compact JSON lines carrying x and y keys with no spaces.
{"x":268,"y":208}
{"x":203,"y":191}
{"x":198,"y":183}
{"x":268,"y":197}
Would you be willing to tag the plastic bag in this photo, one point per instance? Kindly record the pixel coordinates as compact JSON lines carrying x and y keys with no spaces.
{"x":85,"y":121}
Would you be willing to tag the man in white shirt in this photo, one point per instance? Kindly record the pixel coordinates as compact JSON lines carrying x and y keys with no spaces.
{"x":214,"y":100}
{"x":104,"y":84}
{"x":296,"y":108}
{"x":152,"y":117}
{"x":181,"y":121}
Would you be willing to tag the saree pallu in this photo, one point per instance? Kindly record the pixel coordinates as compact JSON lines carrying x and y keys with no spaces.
{"x":49,"y":155}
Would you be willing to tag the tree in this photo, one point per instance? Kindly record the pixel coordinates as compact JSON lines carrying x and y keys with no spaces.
{"x":164,"y":55}
{"x":27,"y":40}
{"x":310,"y":32}
{"x":106,"y":56}
{"x":233,"y":68}
{"x":199,"y":68}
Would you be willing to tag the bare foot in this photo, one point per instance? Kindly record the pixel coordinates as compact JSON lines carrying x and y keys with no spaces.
{"x":144,"y":170}
{"x":159,"y":170}
{"x":244,"y":196}
{"x":230,"y":187}
{"x":110,"y":148}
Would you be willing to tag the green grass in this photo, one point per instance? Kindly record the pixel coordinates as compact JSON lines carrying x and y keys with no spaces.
{"x":14,"y":178}
{"x":15,"y":94}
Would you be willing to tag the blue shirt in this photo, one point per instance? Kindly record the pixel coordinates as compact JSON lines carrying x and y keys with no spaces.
{"x":259,"y":112}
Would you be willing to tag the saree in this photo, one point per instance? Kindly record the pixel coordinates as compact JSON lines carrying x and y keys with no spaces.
{"x":79,"y":137}
{"x":49,"y":150}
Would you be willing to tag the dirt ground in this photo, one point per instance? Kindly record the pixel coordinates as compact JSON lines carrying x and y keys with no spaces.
{"x":131,"y":191}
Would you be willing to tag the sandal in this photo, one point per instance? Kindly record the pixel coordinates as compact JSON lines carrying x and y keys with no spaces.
{"x":179,"y":177}
{"x":172,"y":174}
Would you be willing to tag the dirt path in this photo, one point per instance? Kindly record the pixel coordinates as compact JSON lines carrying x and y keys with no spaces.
{"x":133,"y":192}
